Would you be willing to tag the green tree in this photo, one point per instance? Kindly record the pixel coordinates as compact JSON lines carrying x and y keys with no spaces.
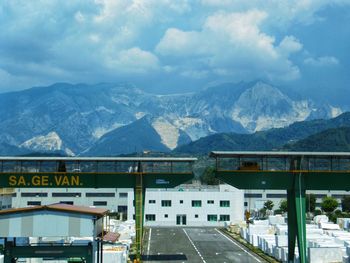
{"x":329,"y":204}
{"x":268,"y":205}
{"x":208,"y":176}
{"x":284,"y":205}
{"x":310,"y":202}
{"x":345,"y":203}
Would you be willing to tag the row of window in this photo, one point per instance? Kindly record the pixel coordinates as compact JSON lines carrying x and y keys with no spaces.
{"x":210,"y":218}
{"x":95,"y":203}
{"x":195,"y":203}
{"x":72,"y":194}
{"x":256,"y":195}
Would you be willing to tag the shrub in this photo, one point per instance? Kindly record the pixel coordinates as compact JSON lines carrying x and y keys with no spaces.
{"x":329,"y":204}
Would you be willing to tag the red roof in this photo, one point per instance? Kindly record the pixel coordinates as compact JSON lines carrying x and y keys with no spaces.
{"x":58,"y":207}
{"x":111,"y":237}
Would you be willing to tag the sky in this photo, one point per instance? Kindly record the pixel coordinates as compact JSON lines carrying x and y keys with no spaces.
{"x":168,"y":46}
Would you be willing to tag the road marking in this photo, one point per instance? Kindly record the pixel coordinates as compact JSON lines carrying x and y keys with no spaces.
{"x":250,"y":254}
{"x":149,"y":241}
{"x":195,"y":248}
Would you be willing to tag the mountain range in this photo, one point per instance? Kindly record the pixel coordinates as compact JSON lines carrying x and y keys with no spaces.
{"x":112,"y":119}
{"x":314,"y":135}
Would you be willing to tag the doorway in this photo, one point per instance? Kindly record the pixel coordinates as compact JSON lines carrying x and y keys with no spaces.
{"x":181,"y":220}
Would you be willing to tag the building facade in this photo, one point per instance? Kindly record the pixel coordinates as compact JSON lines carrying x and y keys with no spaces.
{"x":113,"y":199}
{"x":254,"y":199}
{"x":193,"y":206}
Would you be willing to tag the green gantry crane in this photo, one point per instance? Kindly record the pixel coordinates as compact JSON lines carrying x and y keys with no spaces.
{"x":294,"y":172}
{"x":138,"y":173}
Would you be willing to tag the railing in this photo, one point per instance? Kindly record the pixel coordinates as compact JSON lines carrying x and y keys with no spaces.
{"x":95,"y":165}
{"x":282,"y":163}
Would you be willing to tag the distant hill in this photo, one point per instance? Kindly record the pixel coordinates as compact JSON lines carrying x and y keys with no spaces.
{"x":225,"y":142}
{"x":264,"y":140}
{"x":135,"y":137}
{"x":336,"y":140}
{"x":9,"y":150}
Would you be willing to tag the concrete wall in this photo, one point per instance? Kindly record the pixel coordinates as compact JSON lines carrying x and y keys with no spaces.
{"x":112,"y":202}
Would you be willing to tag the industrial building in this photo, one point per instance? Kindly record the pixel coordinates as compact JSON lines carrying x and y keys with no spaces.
{"x":192,"y":204}
{"x":199,"y":205}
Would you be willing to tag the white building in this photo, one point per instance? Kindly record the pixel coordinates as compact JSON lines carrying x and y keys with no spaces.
{"x":191,"y":205}
{"x":120,"y":200}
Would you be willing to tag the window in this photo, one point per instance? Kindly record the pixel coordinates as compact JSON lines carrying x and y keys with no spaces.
{"x":100,"y":194}
{"x":151,"y":201}
{"x":34,"y":194}
{"x":212,"y":218}
{"x":67,"y":202}
{"x":181,"y":201}
{"x":123,"y":195}
{"x":210,"y":202}
{"x":122,"y":208}
{"x":100,"y":203}
{"x":276,"y":195}
{"x":66,"y":194}
{"x":245,"y":203}
{"x":224,"y":217}
{"x":252,"y":195}
{"x":166,"y":202}
{"x":225,"y":203}
{"x":196,"y":203}
{"x":150,"y":217}
{"x":33,"y":203}
{"x":166,"y":215}
{"x":195,"y":216}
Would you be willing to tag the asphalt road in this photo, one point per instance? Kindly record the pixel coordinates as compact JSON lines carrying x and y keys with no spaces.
{"x":190,"y":244}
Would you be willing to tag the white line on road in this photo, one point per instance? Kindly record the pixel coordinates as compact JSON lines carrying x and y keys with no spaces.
{"x":199,"y":253}
{"x":250,"y":254}
{"x":149,"y":241}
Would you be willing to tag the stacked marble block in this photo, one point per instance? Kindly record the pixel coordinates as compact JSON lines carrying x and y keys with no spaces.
{"x":326,"y":242}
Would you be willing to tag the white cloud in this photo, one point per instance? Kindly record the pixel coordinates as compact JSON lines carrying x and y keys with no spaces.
{"x":79,"y":17}
{"x":86,"y":40}
{"x":231,"y":43}
{"x":322,"y":61}
{"x":134,"y":60}
{"x":289,"y":45}
{"x":176,"y":42}
{"x":282,"y":13}
{"x":195,"y":74}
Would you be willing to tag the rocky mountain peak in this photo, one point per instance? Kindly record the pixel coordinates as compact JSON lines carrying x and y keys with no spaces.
{"x":76,"y":118}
